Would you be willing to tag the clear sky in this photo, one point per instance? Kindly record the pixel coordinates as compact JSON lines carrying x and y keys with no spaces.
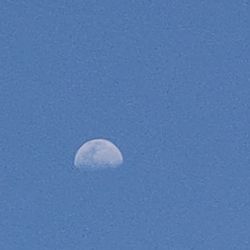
{"x":168,"y":82}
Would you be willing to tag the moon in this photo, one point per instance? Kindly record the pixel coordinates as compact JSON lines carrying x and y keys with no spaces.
{"x":98,"y":154}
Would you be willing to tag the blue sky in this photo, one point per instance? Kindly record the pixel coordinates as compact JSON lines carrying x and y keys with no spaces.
{"x":167,"y":81}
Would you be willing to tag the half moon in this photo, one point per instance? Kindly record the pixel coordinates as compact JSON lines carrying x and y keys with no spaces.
{"x":98,"y":154}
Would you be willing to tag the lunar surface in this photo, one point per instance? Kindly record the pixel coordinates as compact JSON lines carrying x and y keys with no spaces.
{"x":98,"y":154}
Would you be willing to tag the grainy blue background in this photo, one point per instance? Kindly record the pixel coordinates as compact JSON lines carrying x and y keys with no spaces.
{"x":166,"y":81}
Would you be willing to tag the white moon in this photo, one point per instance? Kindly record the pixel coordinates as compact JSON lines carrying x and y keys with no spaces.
{"x":98,"y":154}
